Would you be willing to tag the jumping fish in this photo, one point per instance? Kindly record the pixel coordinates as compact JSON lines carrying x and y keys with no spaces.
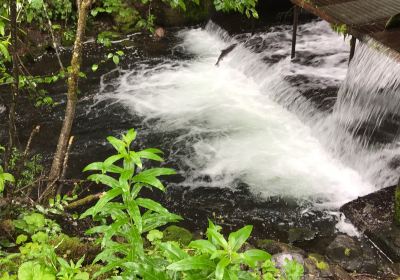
{"x":225,"y":52}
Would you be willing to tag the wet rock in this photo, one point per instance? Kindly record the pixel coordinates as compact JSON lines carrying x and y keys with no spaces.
{"x":178,"y":234}
{"x":276,"y":247}
{"x":339,"y":273}
{"x":301,"y":234}
{"x":389,"y":241}
{"x":349,"y":254}
{"x":281,"y":259}
{"x":374,"y":214}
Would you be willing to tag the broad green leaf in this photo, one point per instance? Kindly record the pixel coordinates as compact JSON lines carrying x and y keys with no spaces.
{"x":251,"y":257}
{"x":204,"y":246}
{"x":193,"y":263}
{"x":154,"y":235}
{"x":233,"y":275}
{"x":173,"y":251}
{"x":33,"y":270}
{"x":156,"y":220}
{"x":95,"y":67}
{"x":149,"y":177}
{"x":148,"y":154}
{"x":220,"y":269}
{"x":112,"y":159}
{"x":115,"y":59}
{"x":94,"y":166}
{"x":111,"y":194}
{"x":129,"y":136}
{"x":238,"y":238}
{"x":215,"y":237}
{"x":105,"y":179}
{"x":4,"y":51}
{"x":134,"y":213}
{"x":118,"y":144}
{"x":151,"y":205}
{"x":21,"y":239}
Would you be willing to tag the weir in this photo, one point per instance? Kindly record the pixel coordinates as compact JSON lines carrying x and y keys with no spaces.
{"x":365,"y":20}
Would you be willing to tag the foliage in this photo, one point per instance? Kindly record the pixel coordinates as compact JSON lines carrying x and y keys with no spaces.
{"x":32,"y":222}
{"x":125,"y":217}
{"x":128,"y":231}
{"x":219,"y":258}
{"x":247,"y":7}
{"x":4,"y":178}
{"x":340,"y":29}
{"x":128,"y":224}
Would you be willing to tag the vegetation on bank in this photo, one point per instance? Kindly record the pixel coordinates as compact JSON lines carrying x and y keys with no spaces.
{"x":127,"y":231}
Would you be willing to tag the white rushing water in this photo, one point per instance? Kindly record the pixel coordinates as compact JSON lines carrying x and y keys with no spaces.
{"x":245,"y":121}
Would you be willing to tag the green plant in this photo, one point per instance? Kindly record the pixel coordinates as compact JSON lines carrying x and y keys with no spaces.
{"x":4,"y":178}
{"x":132,"y":216}
{"x":32,"y":222}
{"x":71,"y":270}
{"x":293,"y":270}
{"x":218,"y":258}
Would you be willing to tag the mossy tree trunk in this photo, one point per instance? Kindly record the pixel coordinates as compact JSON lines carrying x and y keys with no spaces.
{"x":72,"y":98}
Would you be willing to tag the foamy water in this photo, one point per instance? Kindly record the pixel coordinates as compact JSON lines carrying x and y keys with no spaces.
{"x":244,"y":121}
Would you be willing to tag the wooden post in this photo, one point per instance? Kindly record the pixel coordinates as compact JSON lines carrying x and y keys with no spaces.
{"x":352,"y":47}
{"x":296,"y":11}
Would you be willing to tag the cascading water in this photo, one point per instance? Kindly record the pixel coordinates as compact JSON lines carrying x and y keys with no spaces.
{"x":264,"y":120}
{"x":363,"y":128}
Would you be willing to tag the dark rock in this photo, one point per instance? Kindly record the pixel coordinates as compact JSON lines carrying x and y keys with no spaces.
{"x":388,"y":239}
{"x":374,"y":214}
{"x":275,"y":247}
{"x":339,"y":273}
{"x":301,"y":234}
{"x":349,"y":254}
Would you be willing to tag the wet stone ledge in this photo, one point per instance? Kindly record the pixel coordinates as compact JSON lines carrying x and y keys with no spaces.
{"x":374,"y":215}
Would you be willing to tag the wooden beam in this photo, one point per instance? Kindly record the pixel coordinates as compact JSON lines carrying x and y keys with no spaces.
{"x":352,"y":47}
{"x":296,"y":11}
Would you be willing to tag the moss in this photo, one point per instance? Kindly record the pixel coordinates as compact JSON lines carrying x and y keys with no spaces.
{"x":178,"y":234}
{"x":347,"y":252}
{"x":397,"y":205}
{"x":319,"y":261}
{"x":73,"y":248}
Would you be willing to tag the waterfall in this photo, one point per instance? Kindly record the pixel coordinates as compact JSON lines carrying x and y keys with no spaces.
{"x":302,"y":128}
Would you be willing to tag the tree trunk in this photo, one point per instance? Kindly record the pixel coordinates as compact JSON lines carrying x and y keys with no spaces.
{"x":12,"y":131}
{"x":72,"y":99}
